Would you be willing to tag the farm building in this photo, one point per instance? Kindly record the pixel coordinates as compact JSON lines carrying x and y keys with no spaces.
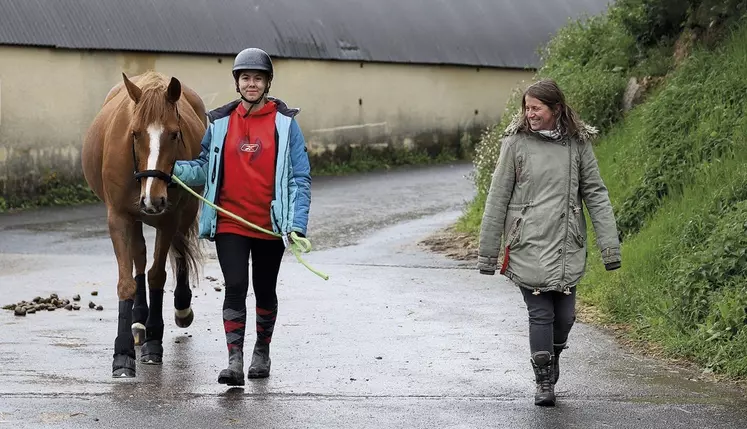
{"x":364,"y":72}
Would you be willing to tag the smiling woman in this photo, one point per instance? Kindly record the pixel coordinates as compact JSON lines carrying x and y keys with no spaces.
{"x":254,"y":161}
{"x":540,"y":116}
{"x":545,"y":173}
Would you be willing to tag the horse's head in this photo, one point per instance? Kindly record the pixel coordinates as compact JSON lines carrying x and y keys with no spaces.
{"x":156,"y":139}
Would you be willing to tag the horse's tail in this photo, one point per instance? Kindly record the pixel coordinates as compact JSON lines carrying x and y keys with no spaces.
{"x":185,"y":253}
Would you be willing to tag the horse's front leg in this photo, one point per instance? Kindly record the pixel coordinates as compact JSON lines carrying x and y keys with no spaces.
{"x":140,"y":309}
{"x":120,"y":231}
{"x":152,"y":350}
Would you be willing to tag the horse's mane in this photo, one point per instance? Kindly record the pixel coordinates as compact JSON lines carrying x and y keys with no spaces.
{"x":153,"y":105}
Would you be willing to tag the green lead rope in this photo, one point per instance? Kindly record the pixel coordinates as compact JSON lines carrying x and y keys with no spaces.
{"x":298,"y":246}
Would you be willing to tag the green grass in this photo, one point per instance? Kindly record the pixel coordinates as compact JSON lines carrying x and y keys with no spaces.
{"x":685,"y":274}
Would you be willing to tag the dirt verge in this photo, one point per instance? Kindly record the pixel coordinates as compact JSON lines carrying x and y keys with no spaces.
{"x":453,"y":244}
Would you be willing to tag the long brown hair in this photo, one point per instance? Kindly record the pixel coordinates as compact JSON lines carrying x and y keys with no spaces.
{"x":548,"y":92}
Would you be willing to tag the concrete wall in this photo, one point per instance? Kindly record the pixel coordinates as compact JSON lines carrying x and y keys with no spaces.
{"x":48,"y":98}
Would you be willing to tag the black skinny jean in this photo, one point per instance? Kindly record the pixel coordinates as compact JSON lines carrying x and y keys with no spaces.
{"x":551,"y":317}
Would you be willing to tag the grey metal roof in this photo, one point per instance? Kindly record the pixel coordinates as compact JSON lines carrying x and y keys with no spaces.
{"x":489,"y":33}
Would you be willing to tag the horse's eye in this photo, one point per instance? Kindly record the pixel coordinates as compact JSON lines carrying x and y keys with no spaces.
{"x":174,"y":136}
{"x":135,"y":135}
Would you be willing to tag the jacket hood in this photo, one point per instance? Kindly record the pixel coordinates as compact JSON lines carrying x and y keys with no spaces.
{"x":587,"y":133}
{"x":226,"y":109}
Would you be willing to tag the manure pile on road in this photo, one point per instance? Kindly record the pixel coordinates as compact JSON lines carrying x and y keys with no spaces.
{"x":51,"y":303}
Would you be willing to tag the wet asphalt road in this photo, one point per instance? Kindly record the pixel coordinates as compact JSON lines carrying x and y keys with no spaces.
{"x":397,"y":337}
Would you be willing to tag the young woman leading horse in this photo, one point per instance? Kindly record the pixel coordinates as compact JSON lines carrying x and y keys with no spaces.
{"x":144,"y":126}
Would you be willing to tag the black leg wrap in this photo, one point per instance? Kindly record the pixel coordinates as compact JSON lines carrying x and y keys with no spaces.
{"x":152,"y":352}
{"x":140,"y":310}
{"x":154,"y":324}
{"x":182,"y":297}
{"x":124,"y":343}
{"x":182,"y":292}
{"x":123,"y":364}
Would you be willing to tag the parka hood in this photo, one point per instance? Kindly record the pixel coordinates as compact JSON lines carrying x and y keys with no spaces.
{"x":587,"y":133}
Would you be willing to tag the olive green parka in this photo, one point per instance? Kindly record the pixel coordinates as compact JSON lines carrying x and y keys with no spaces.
{"x":534,"y":218}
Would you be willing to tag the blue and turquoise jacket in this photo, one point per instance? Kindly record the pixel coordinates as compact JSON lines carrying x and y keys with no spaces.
{"x":289,"y":210}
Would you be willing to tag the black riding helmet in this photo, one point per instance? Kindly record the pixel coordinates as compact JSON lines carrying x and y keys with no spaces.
{"x":252,"y":59}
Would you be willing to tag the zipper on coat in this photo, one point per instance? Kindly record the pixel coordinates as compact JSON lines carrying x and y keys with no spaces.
{"x":274,"y":180}
{"x":284,"y":178}
{"x":567,"y":216}
{"x":215,"y":164}
{"x":519,"y":167}
{"x":221,"y":176}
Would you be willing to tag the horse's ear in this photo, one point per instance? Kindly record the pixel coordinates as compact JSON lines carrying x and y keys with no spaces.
{"x":174,"y":91}
{"x":132,"y":89}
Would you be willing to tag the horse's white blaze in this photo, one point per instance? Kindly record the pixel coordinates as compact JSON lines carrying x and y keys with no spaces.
{"x":154,"y":148}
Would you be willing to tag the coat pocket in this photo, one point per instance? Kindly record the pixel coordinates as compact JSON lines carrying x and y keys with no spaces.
{"x":579,"y":240}
{"x":579,"y":236}
{"x":511,"y":239}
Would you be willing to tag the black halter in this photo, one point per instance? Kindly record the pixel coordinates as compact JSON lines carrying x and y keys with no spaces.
{"x":158,"y":174}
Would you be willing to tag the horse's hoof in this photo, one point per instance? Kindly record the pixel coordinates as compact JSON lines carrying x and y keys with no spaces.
{"x":184,"y":318}
{"x":151,"y":353}
{"x":123,"y":366}
{"x":138,"y":333}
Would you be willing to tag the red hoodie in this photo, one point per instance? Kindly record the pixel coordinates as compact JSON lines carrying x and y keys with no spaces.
{"x":248,"y":171}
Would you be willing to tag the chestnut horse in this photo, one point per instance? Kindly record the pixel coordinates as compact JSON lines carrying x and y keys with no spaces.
{"x":144,"y":126}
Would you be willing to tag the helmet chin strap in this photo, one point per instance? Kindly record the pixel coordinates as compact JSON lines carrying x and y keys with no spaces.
{"x":253,"y":103}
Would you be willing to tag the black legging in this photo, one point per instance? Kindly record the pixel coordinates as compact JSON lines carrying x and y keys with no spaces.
{"x":233,"y":255}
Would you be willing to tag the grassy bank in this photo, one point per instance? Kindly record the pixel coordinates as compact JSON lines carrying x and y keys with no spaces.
{"x":677,"y":177}
{"x":674,"y":166}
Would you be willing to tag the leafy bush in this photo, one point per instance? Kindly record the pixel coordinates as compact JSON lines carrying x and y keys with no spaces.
{"x":651,"y":20}
{"x":589,"y":60}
